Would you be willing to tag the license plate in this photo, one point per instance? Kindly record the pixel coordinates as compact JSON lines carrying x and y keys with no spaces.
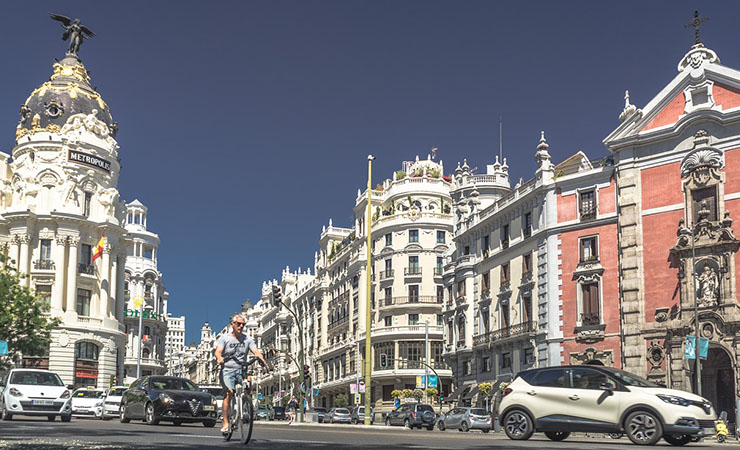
{"x":42,"y":402}
{"x":208,"y":408}
{"x":708,"y":431}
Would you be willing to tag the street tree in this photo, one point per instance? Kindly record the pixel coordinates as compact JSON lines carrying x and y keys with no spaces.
{"x":341,"y":400}
{"x":24,"y":323}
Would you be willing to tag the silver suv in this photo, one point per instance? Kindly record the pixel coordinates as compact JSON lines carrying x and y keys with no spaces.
{"x":564,"y":399}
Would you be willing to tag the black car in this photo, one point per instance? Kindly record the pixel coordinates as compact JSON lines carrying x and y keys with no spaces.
{"x":412,"y":415}
{"x":155,"y":398}
{"x":278,"y":413}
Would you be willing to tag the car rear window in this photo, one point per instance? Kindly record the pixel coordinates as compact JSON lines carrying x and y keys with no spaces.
{"x":424,"y":408}
{"x":551,"y":378}
{"x":342,"y":411}
{"x":320,"y":410}
{"x":88,"y":394}
{"x":479,"y":412}
{"x":117,"y":392}
{"x":35,"y":378}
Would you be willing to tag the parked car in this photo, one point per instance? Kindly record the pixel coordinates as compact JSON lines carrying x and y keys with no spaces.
{"x":262,"y":413}
{"x":561,"y":400}
{"x":278,"y":413}
{"x":155,"y":398}
{"x":320,"y":413}
{"x":358,"y":415}
{"x":338,"y":415}
{"x":85,"y":400}
{"x":412,"y":415}
{"x":465,"y":418}
{"x":218,"y":393}
{"x":34,"y":392}
{"x":110,"y":405}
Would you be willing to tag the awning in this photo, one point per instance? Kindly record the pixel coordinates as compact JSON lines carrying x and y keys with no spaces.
{"x":456,"y":393}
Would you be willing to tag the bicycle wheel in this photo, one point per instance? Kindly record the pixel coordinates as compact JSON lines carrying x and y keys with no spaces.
{"x":247,"y":419}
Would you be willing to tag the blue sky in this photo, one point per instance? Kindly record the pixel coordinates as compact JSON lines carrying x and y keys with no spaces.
{"x":246,"y":125}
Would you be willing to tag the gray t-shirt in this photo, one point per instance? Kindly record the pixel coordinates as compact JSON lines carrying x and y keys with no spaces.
{"x":237,"y":348}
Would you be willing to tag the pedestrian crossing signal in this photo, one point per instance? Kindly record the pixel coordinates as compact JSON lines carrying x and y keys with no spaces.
{"x":383,"y":360}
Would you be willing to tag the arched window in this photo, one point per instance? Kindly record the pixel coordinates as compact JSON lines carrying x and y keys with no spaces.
{"x":86,"y":363}
{"x":145,"y":353}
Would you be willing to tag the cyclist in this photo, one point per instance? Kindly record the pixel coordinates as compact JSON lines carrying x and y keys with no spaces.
{"x":231,"y":353}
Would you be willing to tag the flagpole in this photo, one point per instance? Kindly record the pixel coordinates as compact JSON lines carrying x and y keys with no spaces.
{"x":368,"y":304}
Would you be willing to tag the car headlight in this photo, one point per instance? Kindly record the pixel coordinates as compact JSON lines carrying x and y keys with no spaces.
{"x":166,"y":398}
{"x":674,"y":399}
{"x":15,"y":392}
{"x":65,"y":394}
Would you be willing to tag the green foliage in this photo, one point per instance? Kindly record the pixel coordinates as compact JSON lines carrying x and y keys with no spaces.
{"x":485,"y":388}
{"x":418,"y":394}
{"x":434,"y":173}
{"x":400,"y":175}
{"x":407,"y":393}
{"x":432,"y":392}
{"x":341,"y":400}
{"x":284,"y":400}
{"x":23,"y":323}
{"x":396,"y":393}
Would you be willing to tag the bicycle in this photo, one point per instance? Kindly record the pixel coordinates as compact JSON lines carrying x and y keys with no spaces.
{"x":241,"y":409}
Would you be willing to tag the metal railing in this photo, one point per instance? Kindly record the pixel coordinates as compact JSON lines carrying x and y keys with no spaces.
{"x":390,"y":301}
{"x":438,"y":271}
{"x":413,"y":270}
{"x":502,"y":333}
{"x":43,"y":264}
{"x":385,"y":274}
{"x":588,"y":213}
{"x":88,"y":269}
{"x":338,"y":323}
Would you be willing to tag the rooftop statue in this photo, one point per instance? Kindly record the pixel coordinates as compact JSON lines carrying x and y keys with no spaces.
{"x":74,"y":31}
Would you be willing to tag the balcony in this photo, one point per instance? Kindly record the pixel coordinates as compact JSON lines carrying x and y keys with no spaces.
{"x":482,"y":339}
{"x":503,"y":333}
{"x":438,"y":271}
{"x":404,"y":329}
{"x":43,"y":264}
{"x":460,"y":343}
{"x":409,"y":299}
{"x":338,"y":323}
{"x":87,"y":269}
{"x":385,"y":275}
{"x":412,"y":271}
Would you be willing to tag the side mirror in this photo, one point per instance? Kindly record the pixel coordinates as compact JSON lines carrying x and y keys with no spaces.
{"x":606,"y":387}
{"x":70,"y":387}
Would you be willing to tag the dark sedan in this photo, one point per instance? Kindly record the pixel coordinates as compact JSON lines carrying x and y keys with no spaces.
{"x":177,"y":400}
{"x":278,"y":413}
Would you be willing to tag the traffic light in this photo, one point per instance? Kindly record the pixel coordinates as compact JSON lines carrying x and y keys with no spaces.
{"x":306,"y":375}
{"x":383,"y":360}
{"x":277,"y":295}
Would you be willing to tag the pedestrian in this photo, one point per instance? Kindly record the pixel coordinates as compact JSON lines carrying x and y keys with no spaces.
{"x":292,"y":406}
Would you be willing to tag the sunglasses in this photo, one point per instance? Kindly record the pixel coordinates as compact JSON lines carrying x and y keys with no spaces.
{"x":241,"y":324}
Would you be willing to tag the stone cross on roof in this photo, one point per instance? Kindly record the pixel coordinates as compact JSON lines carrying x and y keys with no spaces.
{"x":696,"y":23}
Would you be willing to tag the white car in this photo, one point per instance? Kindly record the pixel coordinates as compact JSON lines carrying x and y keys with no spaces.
{"x":85,"y":400}
{"x":565,"y":399}
{"x":218,"y":393}
{"x":34,"y":392}
{"x":110,"y":405}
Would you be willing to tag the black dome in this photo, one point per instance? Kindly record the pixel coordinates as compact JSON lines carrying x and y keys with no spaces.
{"x":68,"y":92}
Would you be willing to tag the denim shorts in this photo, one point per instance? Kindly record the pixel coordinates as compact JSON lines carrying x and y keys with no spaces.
{"x":231,"y":377}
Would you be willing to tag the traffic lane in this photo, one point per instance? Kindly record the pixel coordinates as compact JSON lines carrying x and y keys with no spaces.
{"x":96,"y":434}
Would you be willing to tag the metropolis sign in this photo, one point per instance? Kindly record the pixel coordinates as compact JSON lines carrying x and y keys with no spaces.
{"x":89,"y":160}
{"x":148,"y":314}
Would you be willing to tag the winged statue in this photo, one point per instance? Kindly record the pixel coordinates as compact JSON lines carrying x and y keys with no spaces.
{"x":74,"y":31}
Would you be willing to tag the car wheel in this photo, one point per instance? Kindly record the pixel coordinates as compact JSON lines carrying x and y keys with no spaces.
{"x":124,"y":417}
{"x":407,"y":424}
{"x":464,"y":427}
{"x":5,"y":414}
{"x":680,"y":439}
{"x":518,"y":426}
{"x":557,"y":436}
{"x":430,"y":427}
{"x":643,"y":428}
{"x":209,"y":423}
{"x":441,"y":426}
{"x":149,"y":416}
{"x":615,"y":435}
{"x":51,"y":418}
{"x":177,"y":423}
{"x":66,"y":418}
{"x":387,"y":422}
{"x":486,"y":430}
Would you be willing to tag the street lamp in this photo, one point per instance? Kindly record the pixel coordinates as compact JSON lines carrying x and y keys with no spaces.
{"x":139,"y":302}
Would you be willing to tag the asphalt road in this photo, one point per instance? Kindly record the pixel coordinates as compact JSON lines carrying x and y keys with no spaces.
{"x":33,"y":433}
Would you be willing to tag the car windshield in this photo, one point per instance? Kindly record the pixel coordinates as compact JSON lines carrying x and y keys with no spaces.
{"x":116,"y":392}
{"x":36,"y":378}
{"x":175,"y":384}
{"x":216,"y":392}
{"x":630,"y":379}
{"x":479,"y":411}
{"x":261,"y":408}
{"x":341,"y":411}
{"x":88,"y":394}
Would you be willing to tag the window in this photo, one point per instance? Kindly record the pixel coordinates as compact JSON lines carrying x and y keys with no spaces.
{"x":587,"y":205}
{"x":413,"y":235}
{"x":86,"y":254}
{"x":551,"y":378}
{"x":590,"y":303}
{"x":485,"y":282}
{"x":528,"y":356}
{"x":440,"y":237}
{"x":705,"y":200}
{"x":527,"y":307}
{"x":86,"y":364}
{"x":45,"y":247}
{"x":461,"y":288}
{"x":505,"y":274}
{"x":440,"y":320}
{"x":486,"y":364}
{"x":86,"y":205}
{"x":588,"y":249}
{"x":467,"y":367}
{"x":466,"y":250}
{"x":505,"y":236}
{"x":389,"y":239}
{"x":414,"y":265}
{"x":388,"y":296}
{"x":388,"y":321}
{"x":486,"y":244}
{"x":413,"y":293}
{"x":505,"y":322}
{"x":440,"y":266}
{"x":83,"y":302}
{"x":440,"y":294}
{"x":589,"y":379}
{"x":413,"y":319}
{"x":388,"y":268}
{"x":506,"y":360}
{"x":148,"y":253}
{"x":527,"y":224}
{"x":43,"y":291}
{"x":527,"y":264}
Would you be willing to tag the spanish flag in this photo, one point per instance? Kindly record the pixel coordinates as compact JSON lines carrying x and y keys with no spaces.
{"x":98,"y":249}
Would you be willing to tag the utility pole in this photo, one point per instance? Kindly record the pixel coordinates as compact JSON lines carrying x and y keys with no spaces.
{"x":426,"y":360}
{"x":140,"y":300}
{"x":368,"y":298}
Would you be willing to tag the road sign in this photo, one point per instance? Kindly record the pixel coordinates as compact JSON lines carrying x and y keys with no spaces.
{"x":3,"y":347}
{"x":397,"y":402}
{"x":358,"y":399}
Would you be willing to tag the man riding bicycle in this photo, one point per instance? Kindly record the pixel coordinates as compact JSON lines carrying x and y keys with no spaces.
{"x":231,"y":353}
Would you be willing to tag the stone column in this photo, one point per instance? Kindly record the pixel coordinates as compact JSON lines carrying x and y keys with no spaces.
{"x":74,"y":242}
{"x":24,"y":261}
{"x":113,"y":285}
{"x":103,"y":305}
{"x":14,"y":247}
{"x":57,"y":291}
{"x":120,"y":297}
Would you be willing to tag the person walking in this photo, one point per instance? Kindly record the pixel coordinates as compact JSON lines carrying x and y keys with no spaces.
{"x":292,"y":406}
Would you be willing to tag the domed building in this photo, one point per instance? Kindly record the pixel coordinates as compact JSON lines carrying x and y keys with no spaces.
{"x":61,"y":222}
